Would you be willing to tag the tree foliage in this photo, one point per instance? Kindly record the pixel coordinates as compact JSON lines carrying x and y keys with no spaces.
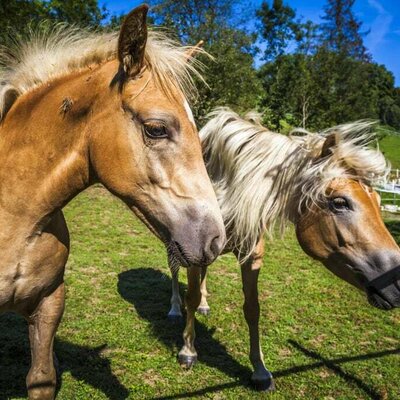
{"x":19,"y":16}
{"x":329,"y":79}
{"x":278,"y":27}
{"x":312,"y":75}
{"x":79,"y":12}
{"x":231,"y":78}
{"x":340,"y":33}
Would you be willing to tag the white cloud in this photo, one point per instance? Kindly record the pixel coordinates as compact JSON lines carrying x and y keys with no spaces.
{"x":379,"y":27}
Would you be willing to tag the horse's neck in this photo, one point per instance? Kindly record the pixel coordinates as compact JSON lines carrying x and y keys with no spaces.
{"x":43,"y":151}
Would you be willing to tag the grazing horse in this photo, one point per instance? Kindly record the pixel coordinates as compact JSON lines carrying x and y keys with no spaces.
{"x":322,"y":183}
{"x":79,"y":108}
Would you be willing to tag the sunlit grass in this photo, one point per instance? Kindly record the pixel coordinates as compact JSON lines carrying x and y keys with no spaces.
{"x":320,"y":337}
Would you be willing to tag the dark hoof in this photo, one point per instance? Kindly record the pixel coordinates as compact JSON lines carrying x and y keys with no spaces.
{"x":266,"y":385}
{"x":204,"y":310}
{"x":175,"y":318}
{"x":187,"y":362}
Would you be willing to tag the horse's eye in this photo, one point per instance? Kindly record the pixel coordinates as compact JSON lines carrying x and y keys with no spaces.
{"x":338,"y":204}
{"x":155,"y":130}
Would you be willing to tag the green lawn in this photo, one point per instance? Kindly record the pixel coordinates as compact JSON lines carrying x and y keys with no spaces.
{"x":320,"y":337}
{"x":390,"y":146}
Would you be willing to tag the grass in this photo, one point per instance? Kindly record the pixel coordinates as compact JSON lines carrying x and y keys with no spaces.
{"x":390,"y":147}
{"x":320,"y":337}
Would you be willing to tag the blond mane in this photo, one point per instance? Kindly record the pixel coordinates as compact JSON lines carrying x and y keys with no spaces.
{"x":59,"y":50}
{"x":263,"y":178}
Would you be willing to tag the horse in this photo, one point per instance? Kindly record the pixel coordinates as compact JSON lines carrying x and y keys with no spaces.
{"x":79,"y":108}
{"x":323,"y":184}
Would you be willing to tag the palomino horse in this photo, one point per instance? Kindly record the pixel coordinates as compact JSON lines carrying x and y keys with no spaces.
{"x":322,"y":183}
{"x":78,"y":109}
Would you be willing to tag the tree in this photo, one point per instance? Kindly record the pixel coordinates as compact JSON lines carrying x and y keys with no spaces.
{"x":288,"y":90}
{"x":232,"y":80}
{"x":340,"y":33}
{"x":231,"y":77}
{"x":278,"y":27}
{"x":17,"y":15}
{"x":328,"y":79}
{"x":85,"y":13}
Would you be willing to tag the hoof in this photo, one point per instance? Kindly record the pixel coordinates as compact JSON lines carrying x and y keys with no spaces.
{"x":265,"y":385}
{"x":187,"y":362}
{"x":176,"y":318}
{"x":204,"y":310}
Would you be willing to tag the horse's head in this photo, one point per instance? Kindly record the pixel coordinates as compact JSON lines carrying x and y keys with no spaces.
{"x":145,"y":146}
{"x":344,"y":228}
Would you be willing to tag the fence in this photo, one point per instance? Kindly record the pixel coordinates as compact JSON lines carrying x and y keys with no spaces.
{"x":390,"y":193}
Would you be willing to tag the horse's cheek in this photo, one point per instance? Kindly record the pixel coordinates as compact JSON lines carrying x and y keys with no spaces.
{"x":311,"y":239}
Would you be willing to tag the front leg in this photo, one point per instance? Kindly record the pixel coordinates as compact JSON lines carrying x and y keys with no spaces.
{"x":188,"y":356}
{"x":203,"y":308}
{"x":261,"y":378}
{"x":43,"y":324}
{"x":175,"y":313}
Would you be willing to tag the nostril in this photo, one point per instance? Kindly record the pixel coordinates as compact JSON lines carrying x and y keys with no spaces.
{"x":216,"y":246}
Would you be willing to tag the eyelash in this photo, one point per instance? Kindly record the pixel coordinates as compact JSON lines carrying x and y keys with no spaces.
{"x":150,"y":130}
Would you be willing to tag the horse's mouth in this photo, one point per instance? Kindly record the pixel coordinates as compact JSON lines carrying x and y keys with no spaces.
{"x":383,"y":292}
{"x":378,"y":301}
{"x":177,"y":253}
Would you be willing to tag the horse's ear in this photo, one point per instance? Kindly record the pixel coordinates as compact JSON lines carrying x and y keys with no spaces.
{"x":330,"y":141}
{"x":132,"y":40}
{"x":193,"y":51}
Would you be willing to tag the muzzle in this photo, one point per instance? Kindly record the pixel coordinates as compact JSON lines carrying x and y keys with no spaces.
{"x":384,"y":291}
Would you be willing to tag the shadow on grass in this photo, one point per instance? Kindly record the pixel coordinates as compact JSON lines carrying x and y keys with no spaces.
{"x":84,"y":363}
{"x":322,"y":362}
{"x":149,"y":291}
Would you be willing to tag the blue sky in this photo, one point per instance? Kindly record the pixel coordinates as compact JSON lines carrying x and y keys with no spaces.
{"x":381,"y":17}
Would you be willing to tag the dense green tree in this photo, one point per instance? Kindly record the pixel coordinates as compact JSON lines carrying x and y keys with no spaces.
{"x":80,"y":12}
{"x":287,"y":90}
{"x":191,"y":19}
{"x":18,"y":15}
{"x":314,"y":76}
{"x":231,"y":77}
{"x":278,"y":27}
{"x":329,"y":78}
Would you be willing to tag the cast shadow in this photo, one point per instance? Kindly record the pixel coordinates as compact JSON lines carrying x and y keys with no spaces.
{"x":334,"y":365}
{"x":83,"y":362}
{"x":149,"y":291}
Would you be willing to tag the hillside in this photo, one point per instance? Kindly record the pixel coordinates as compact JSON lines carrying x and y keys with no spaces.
{"x":390,"y":146}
